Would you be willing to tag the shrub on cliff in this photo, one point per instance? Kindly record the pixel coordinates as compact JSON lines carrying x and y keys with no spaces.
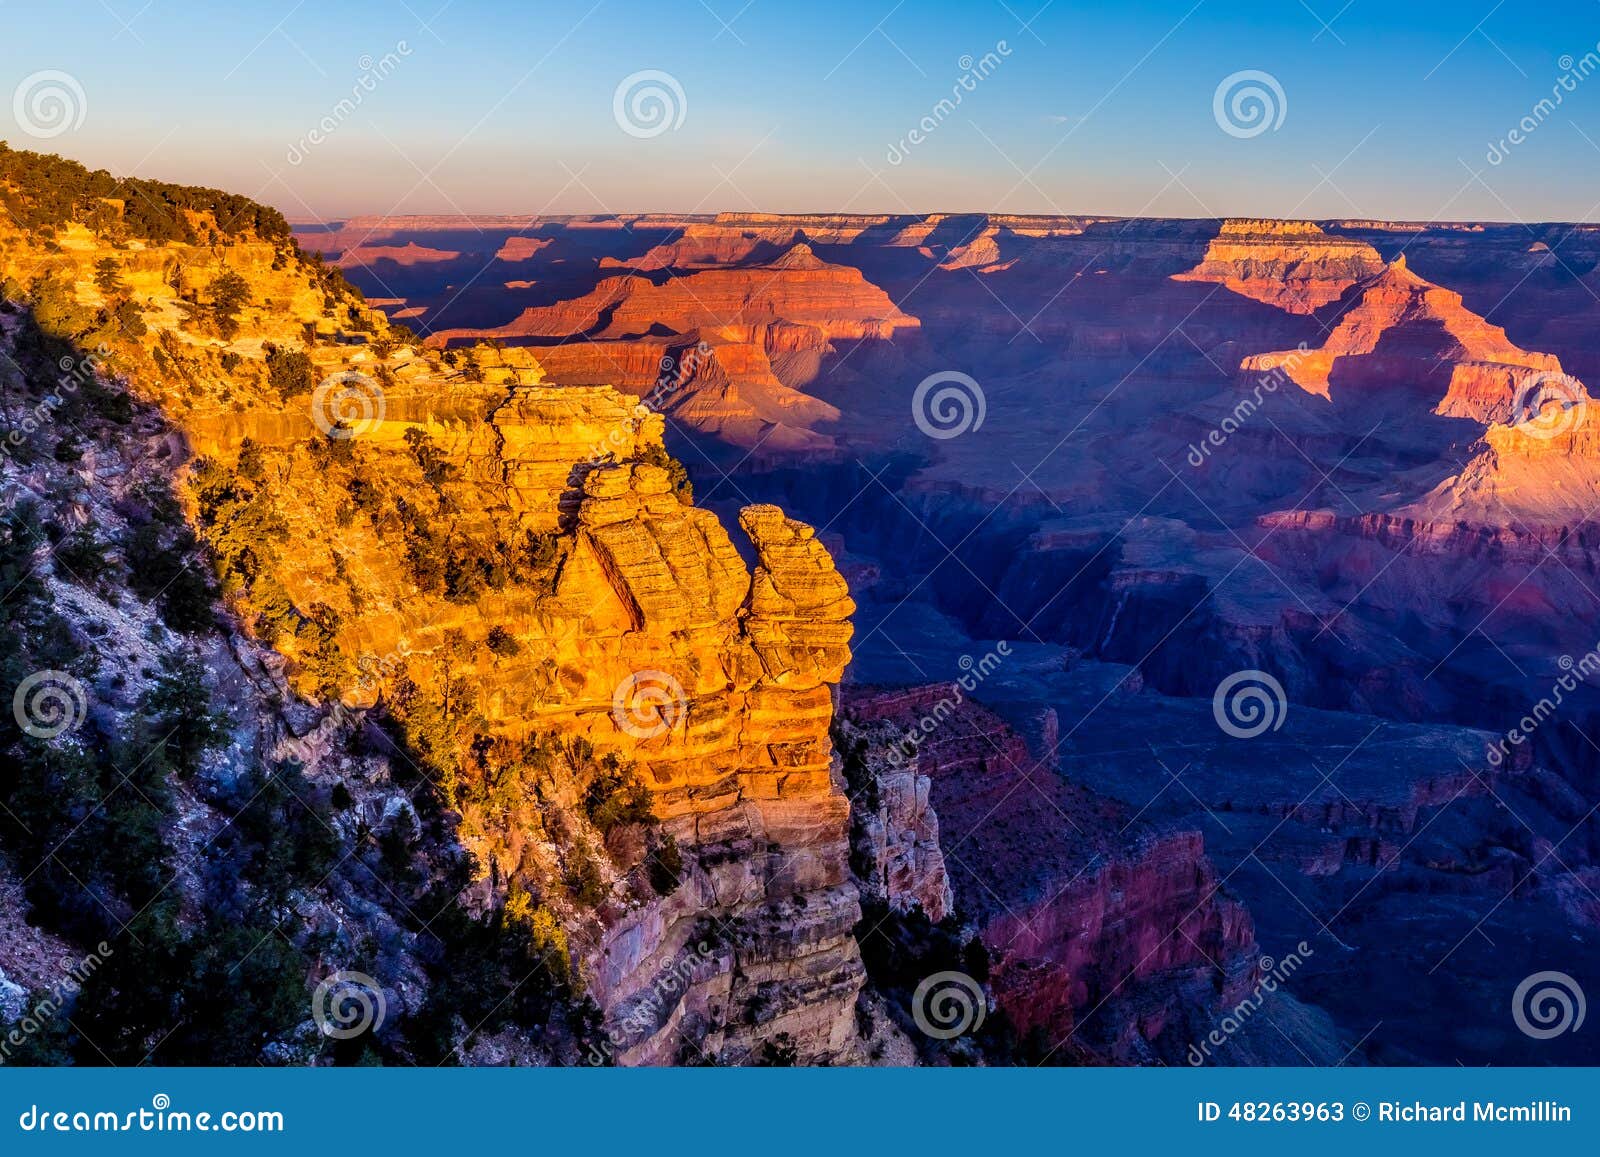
{"x":676,"y":471}
{"x":616,"y":795}
{"x":502,"y":642}
{"x":229,"y":293}
{"x":179,"y":702}
{"x":289,"y":372}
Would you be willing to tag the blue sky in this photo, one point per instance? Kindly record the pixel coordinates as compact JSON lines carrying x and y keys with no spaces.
{"x":1389,"y":109}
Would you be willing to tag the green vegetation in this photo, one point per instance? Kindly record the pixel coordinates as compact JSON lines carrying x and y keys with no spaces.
{"x":44,"y":192}
{"x":229,"y":293}
{"x":108,"y":277}
{"x":676,"y":470}
{"x":289,"y":372}
{"x":502,"y":642}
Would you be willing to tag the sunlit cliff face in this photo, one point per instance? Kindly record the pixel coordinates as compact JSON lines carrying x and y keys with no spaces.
{"x":627,"y":722}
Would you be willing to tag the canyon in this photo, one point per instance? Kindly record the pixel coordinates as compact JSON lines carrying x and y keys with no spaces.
{"x":1350,"y":454}
{"x":726,"y":624}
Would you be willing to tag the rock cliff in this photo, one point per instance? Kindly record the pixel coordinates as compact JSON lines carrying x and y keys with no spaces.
{"x":627,"y":722}
{"x":1293,"y":265}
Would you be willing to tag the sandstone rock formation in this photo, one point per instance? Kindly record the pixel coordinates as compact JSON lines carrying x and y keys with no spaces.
{"x":796,"y":287}
{"x":1292,"y":265}
{"x":587,"y":622}
{"x":1408,"y":336}
{"x":1101,"y":945}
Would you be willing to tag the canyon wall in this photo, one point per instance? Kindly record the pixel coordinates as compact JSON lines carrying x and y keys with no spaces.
{"x":514,"y":573}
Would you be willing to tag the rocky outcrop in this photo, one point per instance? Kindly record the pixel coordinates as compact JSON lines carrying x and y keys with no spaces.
{"x":1102,"y":934}
{"x":796,"y":287}
{"x":894,"y":831}
{"x":1292,"y":265}
{"x":587,"y":616}
{"x":1409,"y":337}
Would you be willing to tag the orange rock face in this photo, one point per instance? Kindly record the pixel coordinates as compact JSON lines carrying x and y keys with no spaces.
{"x":1406,"y":334}
{"x":1293,"y":265}
{"x":797,"y":287}
{"x":642,"y":634}
{"x":408,"y":254}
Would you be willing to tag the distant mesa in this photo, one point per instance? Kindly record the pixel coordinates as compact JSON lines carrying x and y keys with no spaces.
{"x":1292,"y":265}
{"x":521,"y":248}
{"x":408,"y":254}
{"x":766,"y":329}
{"x":796,"y":287}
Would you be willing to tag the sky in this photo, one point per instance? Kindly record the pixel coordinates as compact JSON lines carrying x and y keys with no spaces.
{"x":1367,"y":108}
